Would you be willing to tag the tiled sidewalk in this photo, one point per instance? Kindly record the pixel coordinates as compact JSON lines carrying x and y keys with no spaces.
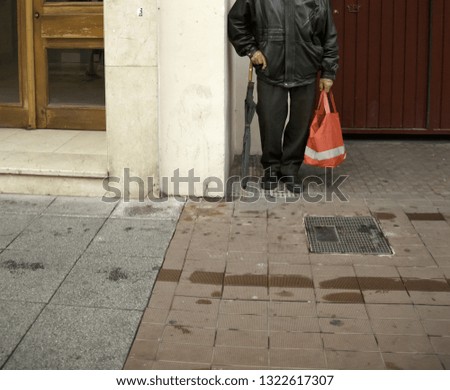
{"x":239,"y":289}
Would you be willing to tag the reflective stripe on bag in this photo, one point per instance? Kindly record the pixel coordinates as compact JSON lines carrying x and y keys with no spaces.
{"x":326,"y":155}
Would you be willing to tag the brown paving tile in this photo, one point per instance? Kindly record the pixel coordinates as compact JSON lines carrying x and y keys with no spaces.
{"x":443,"y":262}
{"x":292,"y":309}
{"x":194,"y":304}
{"x":289,"y":258}
{"x":297,"y":358}
{"x":184,"y":353}
{"x":242,"y":338}
{"x":190,"y":319}
{"x":411,"y":361}
{"x":430,"y":298}
{"x":241,"y":322}
{"x":287,"y":238}
{"x":345,"y":360}
{"x":380,"y":296}
{"x":397,"y":326}
{"x":290,"y":269}
{"x":391,"y":311}
{"x":441,"y":345}
{"x":257,"y":308}
{"x":160,"y":302}
{"x":291,"y":294}
{"x":256,"y":257}
{"x":138,"y":364}
{"x":232,"y":367}
{"x":433,"y":312}
{"x":245,"y":293}
{"x":445,"y":360}
{"x":206,"y":254}
{"x":400,"y":343}
{"x":321,"y":259}
{"x":421,"y":272}
{"x":427,"y":285}
{"x":295,"y":340}
{"x":251,"y":244}
{"x":144,"y":350}
{"x":345,"y":325}
{"x":149,"y":331}
{"x":298,"y":249}
{"x":350,"y":342}
{"x":437,"y":327}
{"x":165,"y":365}
{"x":155,"y":316}
{"x":246,"y":280}
{"x":291,"y":324}
{"x":191,"y":266}
{"x":186,"y":335}
{"x":376,"y":271}
{"x":198,"y":290}
{"x":339,"y":296}
{"x":341,"y":310}
{"x":168,"y":275}
{"x":241,"y":356}
{"x":240,"y":267}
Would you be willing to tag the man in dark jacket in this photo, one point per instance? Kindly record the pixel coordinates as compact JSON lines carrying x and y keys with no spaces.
{"x":289,"y":42}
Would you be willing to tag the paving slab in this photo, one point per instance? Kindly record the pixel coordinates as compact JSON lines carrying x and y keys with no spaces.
{"x":58,"y":234}
{"x":133,"y":237}
{"x":66,"y":338}
{"x":15,"y":319}
{"x":24,"y":204}
{"x":11,"y":225}
{"x":32,"y":276}
{"x":80,"y":207}
{"x":109,"y":281}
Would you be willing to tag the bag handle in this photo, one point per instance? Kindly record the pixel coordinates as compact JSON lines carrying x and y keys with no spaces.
{"x":323,"y":100}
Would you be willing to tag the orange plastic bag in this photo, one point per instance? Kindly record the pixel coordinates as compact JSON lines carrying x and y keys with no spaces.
{"x":325,"y":147}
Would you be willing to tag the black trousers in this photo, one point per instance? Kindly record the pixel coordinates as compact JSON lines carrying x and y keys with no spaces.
{"x":283,"y":146}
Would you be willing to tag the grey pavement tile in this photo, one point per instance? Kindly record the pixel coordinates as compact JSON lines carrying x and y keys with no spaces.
{"x":80,"y":207}
{"x":111,"y":282}
{"x":161,"y":209}
{"x":11,"y":225}
{"x":65,"y":338}
{"x":32,"y":276}
{"x":24,"y":204}
{"x":133,"y":237}
{"x":58,"y":234}
{"x":15,"y":319}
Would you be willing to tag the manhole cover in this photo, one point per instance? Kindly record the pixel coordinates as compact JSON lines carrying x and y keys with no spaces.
{"x":346,"y":235}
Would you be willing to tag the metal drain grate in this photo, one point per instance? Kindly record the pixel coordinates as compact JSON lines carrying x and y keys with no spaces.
{"x":346,"y":235}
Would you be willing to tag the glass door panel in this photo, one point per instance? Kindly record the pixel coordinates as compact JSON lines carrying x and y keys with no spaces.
{"x":9,"y":53}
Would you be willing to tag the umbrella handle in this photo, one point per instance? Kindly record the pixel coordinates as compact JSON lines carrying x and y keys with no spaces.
{"x":250,"y":72}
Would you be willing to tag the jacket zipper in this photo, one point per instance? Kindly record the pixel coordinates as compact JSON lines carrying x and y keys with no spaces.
{"x":289,"y":55}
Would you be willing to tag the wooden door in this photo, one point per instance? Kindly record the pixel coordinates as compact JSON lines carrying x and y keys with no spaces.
{"x":69,"y":67}
{"x":391,"y":75}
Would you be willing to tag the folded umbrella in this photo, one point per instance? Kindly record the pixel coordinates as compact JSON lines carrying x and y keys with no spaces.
{"x":250,"y":109}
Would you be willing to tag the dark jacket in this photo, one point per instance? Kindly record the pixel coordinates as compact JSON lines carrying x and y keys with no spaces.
{"x":297,"y":37}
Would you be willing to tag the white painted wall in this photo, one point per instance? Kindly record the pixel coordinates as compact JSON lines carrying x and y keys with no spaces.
{"x":132,"y":91}
{"x":194,"y":92}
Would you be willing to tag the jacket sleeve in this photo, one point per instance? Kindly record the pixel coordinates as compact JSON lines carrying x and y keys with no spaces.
{"x":330,"y":59}
{"x":240,"y":28}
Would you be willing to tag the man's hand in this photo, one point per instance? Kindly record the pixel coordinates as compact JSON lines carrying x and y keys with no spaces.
{"x":259,"y":59}
{"x":325,"y":84}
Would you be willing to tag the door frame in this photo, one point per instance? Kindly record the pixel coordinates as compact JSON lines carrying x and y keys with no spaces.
{"x":48,"y":34}
{"x":23,"y":114}
{"x":28,"y":112}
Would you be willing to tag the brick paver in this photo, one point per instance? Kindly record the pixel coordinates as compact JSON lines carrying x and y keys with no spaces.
{"x":239,"y":288}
